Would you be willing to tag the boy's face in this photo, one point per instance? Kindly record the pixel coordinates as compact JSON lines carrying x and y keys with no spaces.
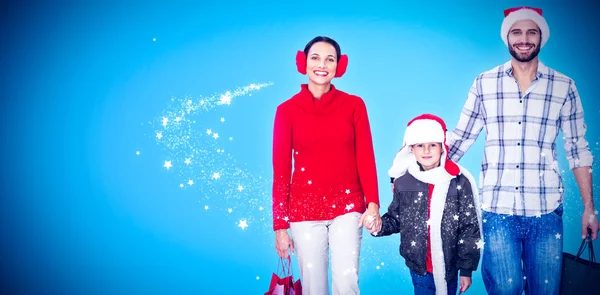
{"x":428,"y":154}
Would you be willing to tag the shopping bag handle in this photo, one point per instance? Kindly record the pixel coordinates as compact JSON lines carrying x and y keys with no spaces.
{"x":587,"y":242}
{"x":282,"y":262}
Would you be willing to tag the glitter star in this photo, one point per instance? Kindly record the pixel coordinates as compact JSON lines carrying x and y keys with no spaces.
{"x":206,"y":207}
{"x":190,"y":182}
{"x":461,"y":241}
{"x":347,"y":191}
{"x":167,"y":165}
{"x":510,"y":280}
{"x":181,"y":185}
{"x":240,"y":188}
{"x":557,"y":236}
{"x":310,"y":182}
{"x":455,"y":217}
{"x":538,"y":214}
{"x":208,"y":131}
{"x":137,"y":153}
{"x":349,"y":207}
{"x":243,"y":224}
{"x":302,"y":169}
{"x":260,"y":208}
{"x":413,"y":243}
{"x":216,"y":175}
{"x":458,"y":187}
{"x":222,"y":120}
{"x":188,"y":161}
{"x":286,"y":219}
{"x":154,"y":39}
{"x":480,"y":244}
{"x":216,"y":135}
{"x":229,"y":210}
{"x":420,"y":194}
{"x":159,"y":135}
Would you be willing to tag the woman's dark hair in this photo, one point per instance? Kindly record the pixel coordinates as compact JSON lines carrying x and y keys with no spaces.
{"x":323,"y":39}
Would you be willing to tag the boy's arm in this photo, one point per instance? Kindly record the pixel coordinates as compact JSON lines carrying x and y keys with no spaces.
{"x":391,"y":221}
{"x":468,"y":231}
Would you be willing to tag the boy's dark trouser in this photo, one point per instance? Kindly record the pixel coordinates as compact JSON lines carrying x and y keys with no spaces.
{"x":424,"y":285}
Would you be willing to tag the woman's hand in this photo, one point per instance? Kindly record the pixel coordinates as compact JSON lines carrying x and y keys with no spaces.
{"x":283,"y":242}
{"x":371,"y":219}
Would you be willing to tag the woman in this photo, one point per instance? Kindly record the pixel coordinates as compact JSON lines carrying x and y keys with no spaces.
{"x":333,"y":190}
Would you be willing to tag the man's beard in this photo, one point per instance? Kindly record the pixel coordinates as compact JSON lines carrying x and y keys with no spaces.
{"x":527,"y":58}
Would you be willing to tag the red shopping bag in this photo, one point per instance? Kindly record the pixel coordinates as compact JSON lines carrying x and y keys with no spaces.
{"x":283,"y":283}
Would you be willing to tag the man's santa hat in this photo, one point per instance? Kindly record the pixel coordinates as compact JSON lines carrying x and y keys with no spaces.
{"x":430,"y":128}
{"x":513,"y":15}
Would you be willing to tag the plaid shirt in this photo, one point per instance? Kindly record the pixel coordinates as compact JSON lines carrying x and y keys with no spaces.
{"x":519,"y":173}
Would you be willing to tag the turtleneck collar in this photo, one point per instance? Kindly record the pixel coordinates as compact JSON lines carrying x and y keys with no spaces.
{"x":328,"y":102}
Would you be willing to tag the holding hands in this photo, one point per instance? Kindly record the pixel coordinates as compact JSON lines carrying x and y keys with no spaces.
{"x":371,"y":219}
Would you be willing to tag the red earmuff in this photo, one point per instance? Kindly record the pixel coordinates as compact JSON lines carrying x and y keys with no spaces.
{"x":301,"y":64}
{"x":341,"y":66}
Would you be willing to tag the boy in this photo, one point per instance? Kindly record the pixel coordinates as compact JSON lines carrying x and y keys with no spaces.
{"x":435,"y":209}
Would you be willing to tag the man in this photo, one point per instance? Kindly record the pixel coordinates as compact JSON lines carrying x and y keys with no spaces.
{"x":523,"y":104}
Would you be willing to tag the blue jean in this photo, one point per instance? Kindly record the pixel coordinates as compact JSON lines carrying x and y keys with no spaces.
{"x":424,"y":285}
{"x":522,"y":253}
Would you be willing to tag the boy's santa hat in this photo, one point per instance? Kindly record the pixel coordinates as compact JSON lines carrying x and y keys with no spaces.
{"x":513,"y":15}
{"x":422,"y":129}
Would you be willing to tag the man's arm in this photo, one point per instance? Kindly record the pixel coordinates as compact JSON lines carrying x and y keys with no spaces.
{"x":469,"y":125}
{"x":583,"y":176}
{"x":579,"y":156}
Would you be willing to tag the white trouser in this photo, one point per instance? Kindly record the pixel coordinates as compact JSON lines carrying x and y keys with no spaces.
{"x":342,"y":237}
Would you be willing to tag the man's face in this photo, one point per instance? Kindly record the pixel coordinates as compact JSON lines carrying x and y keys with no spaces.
{"x":524,"y":39}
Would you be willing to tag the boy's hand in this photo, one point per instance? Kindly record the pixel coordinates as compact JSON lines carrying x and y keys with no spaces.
{"x":465,"y":283}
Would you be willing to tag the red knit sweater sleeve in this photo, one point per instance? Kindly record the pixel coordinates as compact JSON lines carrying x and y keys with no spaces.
{"x":282,"y":168}
{"x":365,"y":155}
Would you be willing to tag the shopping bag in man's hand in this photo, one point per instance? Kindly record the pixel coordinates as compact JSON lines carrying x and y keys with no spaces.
{"x":283,"y":283}
{"x":580,"y":276}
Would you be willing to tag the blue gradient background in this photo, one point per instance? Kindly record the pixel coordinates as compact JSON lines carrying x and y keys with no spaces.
{"x":82,"y":214}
